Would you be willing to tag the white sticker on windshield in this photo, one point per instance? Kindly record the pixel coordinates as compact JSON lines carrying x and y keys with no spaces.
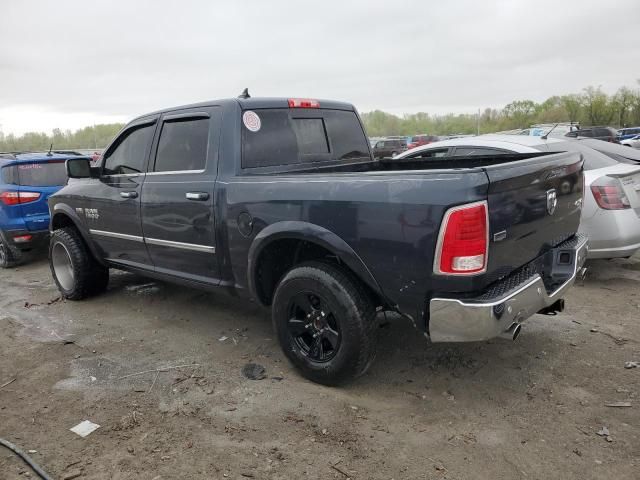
{"x":251,"y":120}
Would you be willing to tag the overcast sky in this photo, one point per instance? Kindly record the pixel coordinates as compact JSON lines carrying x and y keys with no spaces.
{"x":72,"y":63}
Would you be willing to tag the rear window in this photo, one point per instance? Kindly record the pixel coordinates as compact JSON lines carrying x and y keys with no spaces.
{"x":477,"y":151}
{"x":593,"y":159}
{"x":291,"y":137}
{"x":41,"y":174}
{"x":9,"y":175}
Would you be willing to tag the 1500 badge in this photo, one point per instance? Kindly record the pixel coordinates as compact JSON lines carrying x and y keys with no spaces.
{"x":90,"y":213}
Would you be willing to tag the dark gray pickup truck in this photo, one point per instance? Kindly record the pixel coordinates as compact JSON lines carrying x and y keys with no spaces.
{"x":280,"y":200}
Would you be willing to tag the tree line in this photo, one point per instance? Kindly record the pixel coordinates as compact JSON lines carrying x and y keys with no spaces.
{"x":590,"y":107}
{"x":96,"y":136}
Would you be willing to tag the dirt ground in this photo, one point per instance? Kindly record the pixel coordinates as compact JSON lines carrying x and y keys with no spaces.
{"x":528,"y":409}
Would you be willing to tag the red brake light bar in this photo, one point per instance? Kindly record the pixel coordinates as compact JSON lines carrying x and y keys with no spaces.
{"x":303,"y":103}
{"x":15,"y":198}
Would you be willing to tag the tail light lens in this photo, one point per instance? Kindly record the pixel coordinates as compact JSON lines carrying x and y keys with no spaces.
{"x":303,"y":103}
{"x":609,"y":194}
{"x":15,"y":198}
{"x":463,"y":242}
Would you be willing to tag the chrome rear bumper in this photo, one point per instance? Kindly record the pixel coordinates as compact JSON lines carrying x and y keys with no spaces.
{"x":509,"y":302}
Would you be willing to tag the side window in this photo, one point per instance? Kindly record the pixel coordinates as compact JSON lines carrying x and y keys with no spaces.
{"x":379,"y":145}
{"x":433,"y":153}
{"x":471,"y":151}
{"x":182,"y":145}
{"x":130,"y":153}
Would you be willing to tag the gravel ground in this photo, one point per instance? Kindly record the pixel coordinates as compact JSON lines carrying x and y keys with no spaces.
{"x":497,"y":410}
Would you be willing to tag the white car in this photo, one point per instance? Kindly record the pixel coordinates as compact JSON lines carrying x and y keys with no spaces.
{"x":611,"y":209}
{"x":631,"y":142}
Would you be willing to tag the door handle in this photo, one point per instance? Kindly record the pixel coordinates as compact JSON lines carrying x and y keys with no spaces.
{"x":129,"y":194}
{"x":197,"y":196}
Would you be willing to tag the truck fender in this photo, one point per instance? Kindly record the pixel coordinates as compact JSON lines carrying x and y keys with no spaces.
{"x":313,"y":234}
{"x":69,"y":212}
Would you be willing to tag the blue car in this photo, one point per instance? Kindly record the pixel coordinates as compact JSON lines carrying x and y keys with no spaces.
{"x":629,"y":132}
{"x":26,"y":181}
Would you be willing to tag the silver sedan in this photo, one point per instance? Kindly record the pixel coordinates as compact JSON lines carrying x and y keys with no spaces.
{"x":632,"y":142}
{"x":611,"y":210}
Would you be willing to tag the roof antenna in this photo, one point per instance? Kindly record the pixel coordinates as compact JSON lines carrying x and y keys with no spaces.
{"x":546,"y":135}
{"x":245,"y":94}
{"x":50,"y":148}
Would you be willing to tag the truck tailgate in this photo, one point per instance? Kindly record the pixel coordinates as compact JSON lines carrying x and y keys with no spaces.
{"x":534,"y":205}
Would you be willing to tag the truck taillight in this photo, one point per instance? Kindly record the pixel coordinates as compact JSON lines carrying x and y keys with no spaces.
{"x":609,"y":194}
{"x":15,"y":198}
{"x":463,"y":242}
{"x":303,"y":103}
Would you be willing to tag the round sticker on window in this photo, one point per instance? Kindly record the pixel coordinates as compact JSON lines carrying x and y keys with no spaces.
{"x":251,"y":120}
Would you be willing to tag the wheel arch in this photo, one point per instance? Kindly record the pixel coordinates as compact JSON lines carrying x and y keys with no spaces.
{"x":62,"y":215}
{"x":310,"y":241}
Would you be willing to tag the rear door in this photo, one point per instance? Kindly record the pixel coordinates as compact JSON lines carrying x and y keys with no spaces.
{"x":534,"y":205}
{"x":113,"y":211}
{"x":178,"y":195}
{"x":43,"y":178}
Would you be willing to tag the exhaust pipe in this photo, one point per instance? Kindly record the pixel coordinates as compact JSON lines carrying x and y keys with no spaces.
{"x":512,"y":332}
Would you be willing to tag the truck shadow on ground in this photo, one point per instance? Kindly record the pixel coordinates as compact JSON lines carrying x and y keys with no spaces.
{"x":404,"y":354}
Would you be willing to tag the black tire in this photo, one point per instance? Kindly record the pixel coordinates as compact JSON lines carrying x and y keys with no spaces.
{"x":350,"y":312}
{"x":82,"y":276}
{"x":393,"y":154}
{"x":10,"y":256}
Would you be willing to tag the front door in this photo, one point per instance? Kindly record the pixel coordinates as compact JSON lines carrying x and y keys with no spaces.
{"x":178,"y":195}
{"x":113,"y":214}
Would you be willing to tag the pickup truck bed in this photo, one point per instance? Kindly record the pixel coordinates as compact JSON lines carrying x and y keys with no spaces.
{"x":283,"y":203}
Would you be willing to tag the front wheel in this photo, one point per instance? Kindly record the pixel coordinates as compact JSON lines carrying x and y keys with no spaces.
{"x":325,"y":322}
{"x":74,"y":270}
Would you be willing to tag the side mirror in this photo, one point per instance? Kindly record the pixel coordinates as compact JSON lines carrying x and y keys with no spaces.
{"x":78,"y":168}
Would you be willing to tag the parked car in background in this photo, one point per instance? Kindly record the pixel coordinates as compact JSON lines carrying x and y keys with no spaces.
{"x":628,"y":132}
{"x":608,"y":134}
{"x":26,"y":182}
{"x":374,"y":140}
{"x":631,"y":142}
{"x":419,"y":140}
{"x":389,"y":147}
{"x":552,"y":129}
{"x":611,"y":209}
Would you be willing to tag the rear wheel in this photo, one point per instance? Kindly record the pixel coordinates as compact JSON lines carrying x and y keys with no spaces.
{"x":325,"y":321}
{"x":9,"y":256}
{"x":74,"y":270}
